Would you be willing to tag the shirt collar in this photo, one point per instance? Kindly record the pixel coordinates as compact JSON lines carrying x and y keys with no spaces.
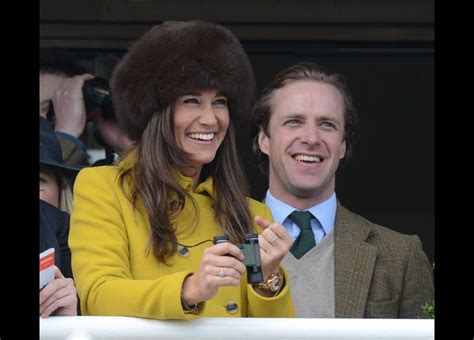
{"x":325,"y":211}
{"x":280,"y":210}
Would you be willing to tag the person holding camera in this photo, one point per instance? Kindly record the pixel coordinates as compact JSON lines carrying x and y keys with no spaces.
{"x":141,"y":230}
{"x":61,"y":78}
{"x":63,"y":101}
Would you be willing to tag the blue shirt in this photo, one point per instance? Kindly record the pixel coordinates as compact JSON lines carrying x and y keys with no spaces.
{"x":325,"y":212}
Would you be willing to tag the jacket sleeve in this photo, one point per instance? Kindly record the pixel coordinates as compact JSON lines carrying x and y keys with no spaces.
{"x":72,"y":154}
{"x":278,"y":306}
{"x":418,"y":287}
{"x":100,"y":256}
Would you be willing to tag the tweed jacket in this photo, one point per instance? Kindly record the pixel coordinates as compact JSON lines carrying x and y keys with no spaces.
{"x":117,"y":274}
{"x":72,"y":154}
{"x":379,"y":273}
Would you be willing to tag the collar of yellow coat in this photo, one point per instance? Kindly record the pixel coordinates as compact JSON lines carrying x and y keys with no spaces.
{"x":205,"y":187}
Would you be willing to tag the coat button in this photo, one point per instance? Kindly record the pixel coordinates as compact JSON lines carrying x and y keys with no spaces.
{"x":232,"y":307}
{"x":183,"y":251}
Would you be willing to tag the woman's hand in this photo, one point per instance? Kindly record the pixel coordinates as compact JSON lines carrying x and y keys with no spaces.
{"x":58,"y":295}
{"x":275,"y":243}
{"x":216,"y":270}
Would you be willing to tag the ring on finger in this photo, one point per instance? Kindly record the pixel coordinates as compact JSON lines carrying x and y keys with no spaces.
{"x":273,"y":240}
{"x":222,"y":272}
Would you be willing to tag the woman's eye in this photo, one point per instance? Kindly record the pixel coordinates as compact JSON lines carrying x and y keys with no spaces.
{"x":190,"y":101}
{"x":221,"y":102}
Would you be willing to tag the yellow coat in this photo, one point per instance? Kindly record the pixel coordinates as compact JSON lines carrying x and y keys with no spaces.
{"x":114,"y":273}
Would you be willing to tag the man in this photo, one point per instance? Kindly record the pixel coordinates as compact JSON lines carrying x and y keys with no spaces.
{"x":61,"y":79}
{"x":61,"y":82}
{"x":340,"y":264}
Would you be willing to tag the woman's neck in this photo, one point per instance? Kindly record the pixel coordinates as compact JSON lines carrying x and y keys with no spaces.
{"x":194,"y":173}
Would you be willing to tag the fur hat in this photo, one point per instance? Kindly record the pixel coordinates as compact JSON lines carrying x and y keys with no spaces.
{"x":175,"y":58}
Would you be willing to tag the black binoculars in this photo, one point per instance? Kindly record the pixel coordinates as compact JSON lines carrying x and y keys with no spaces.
{"x":96,"y":93}
{"x":252,"y":260}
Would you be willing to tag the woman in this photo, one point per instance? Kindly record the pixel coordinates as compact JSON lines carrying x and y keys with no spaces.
{"x":54,"y":176}
{"x":59,"y":296}
{"x":139,"y":230}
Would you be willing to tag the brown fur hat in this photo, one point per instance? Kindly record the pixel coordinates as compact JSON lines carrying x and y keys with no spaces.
{"x":176,"y":58}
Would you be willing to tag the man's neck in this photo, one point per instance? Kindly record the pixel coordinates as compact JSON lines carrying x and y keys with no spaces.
{"x":301,"y":202}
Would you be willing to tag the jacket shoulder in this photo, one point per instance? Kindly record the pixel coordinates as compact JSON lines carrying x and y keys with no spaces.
{"x":92,"y":171}
{"x":375,"y":233}
{"x":97,"y":181}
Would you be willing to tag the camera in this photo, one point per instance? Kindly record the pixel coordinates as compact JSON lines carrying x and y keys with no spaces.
{"x":251,"y":251}
{"x":96,"y":92}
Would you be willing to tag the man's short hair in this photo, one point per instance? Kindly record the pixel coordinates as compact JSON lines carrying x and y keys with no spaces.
{"x":59,"y":61}
{"x":301,"y":71}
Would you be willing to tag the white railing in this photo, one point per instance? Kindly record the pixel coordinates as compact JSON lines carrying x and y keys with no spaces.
{"x":101,"y":327}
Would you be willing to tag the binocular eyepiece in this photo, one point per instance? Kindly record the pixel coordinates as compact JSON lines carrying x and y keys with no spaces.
{"x":251,"y":251}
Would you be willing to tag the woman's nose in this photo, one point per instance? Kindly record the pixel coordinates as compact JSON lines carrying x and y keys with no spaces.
{"x":208,"y":116}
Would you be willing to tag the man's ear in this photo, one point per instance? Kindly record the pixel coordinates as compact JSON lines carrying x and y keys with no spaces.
{"x":264,"y":142}
{"x":342,"y":151}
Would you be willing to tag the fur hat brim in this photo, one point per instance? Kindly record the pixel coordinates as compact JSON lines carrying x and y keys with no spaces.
{"x":176,"y":58}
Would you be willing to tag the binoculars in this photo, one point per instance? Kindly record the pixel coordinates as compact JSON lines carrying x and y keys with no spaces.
{"x":252,"y":260}
{"x":96,"y":92}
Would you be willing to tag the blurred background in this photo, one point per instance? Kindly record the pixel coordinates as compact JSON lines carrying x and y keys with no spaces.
{"x":384,"y":48}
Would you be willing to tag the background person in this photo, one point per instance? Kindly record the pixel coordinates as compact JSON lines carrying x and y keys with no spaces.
{"x":59,"y":296}
{"x":62,"y":101}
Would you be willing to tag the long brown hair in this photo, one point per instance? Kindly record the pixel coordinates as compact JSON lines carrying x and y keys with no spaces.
{"x":153,"y":182}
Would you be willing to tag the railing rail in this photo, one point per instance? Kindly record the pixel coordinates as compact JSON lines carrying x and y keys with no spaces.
{"x":117,"y":327}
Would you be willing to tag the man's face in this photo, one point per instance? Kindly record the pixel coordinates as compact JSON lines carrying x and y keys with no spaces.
{"x":49,"y":83}
{"x":305,"y":142}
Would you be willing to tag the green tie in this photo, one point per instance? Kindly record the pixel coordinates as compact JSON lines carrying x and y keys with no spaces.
{"x":305,"y":240}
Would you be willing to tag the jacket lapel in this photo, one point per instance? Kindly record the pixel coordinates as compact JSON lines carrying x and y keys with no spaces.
{"x":354,"y":264}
